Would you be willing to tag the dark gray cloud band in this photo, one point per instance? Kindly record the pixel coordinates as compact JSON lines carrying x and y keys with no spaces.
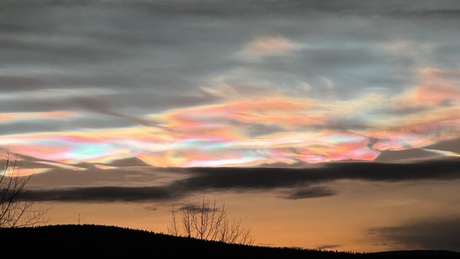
{"x":293,"y":183}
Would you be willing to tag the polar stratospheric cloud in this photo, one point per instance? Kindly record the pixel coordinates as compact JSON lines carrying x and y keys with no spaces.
{"x":307,"y":108}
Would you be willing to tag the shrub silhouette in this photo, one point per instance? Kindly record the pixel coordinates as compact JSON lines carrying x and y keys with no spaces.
{"x":204,"y":220}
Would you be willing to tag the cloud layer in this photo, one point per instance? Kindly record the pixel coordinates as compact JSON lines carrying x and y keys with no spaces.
{"x":138,"y":101}
{"x":291,"y":183}
{"x":424,"y":234}
{"x":216,"y":84}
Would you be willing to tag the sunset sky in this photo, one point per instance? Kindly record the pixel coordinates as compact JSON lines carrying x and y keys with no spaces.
{"x":320,"y":124}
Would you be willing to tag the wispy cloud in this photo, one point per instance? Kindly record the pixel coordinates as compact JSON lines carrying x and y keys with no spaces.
{"x":270,"y":46}
{"x":307,"y":130}
{"x":18,"y":116}
{"x":425,"y":234}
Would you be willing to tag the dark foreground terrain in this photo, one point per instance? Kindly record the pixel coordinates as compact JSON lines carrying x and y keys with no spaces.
{"x":89,"y":241}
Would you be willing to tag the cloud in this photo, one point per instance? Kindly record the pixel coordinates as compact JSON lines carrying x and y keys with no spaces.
{"x":291,"y":183}
{"x":11,"y":117}
{"x":416,"y":52}
{"x":433,"y":90}
{"x":424,"y":234}
{"x":191,"y":103}
{"x":268,"y":178}
{"x":270,"y":46}
{"x":308,"y":192}
{"x":307,"y":129}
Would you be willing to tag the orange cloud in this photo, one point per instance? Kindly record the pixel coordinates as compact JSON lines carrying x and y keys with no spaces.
{"x":270,"y":46}
{"x":9,"y":117}
{"x":433,"y":91}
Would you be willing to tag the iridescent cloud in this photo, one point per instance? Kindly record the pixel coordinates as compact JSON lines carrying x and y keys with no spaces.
{"x":17,"y":116}
{"x":303,"y":130}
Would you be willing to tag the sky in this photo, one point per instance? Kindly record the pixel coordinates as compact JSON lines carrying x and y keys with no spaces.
{"x":320,"y":124}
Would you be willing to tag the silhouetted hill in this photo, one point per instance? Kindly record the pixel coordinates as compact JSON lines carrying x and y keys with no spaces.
{"x":90,"y":241}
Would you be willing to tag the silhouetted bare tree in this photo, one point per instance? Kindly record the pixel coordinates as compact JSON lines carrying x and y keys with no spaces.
{"x":204,"y":220}
{"x":15,"y":209}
